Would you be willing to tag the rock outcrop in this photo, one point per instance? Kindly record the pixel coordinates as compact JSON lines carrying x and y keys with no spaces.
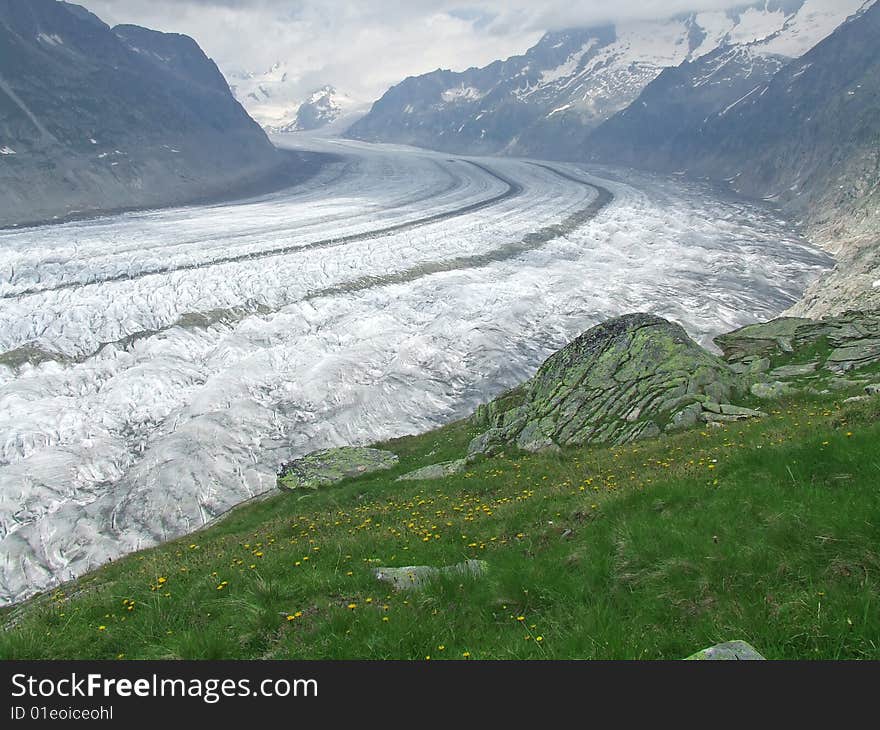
{"x":327,"y":467}
{"x":836,"y":345}
{"x":630,"y":378}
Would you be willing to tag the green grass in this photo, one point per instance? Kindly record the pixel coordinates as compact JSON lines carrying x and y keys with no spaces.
{"x":766,"y":531}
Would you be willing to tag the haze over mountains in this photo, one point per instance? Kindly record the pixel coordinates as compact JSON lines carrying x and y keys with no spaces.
{"x":274,"y":99}
{"x":94,"y":118}
{"x":778,"y":99}
{"x":545,"y":102}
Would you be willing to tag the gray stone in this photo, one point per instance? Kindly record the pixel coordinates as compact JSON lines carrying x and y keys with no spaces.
{"x":729,"y":650}
{"x":857,"y":399}
{"x":841,"y":383}
{"x":673,"y":404}
{"x":771,"y":391}
{"x":648,"y":430}
{"x":710,"y":417}
{"x":686,"y":418}
{"x":329,"y":466}
{"x":873,"y":389}
{"x":793,"y":371}
{"x":855,"y":355}
{"x":730,"y":410}
{"x":535,"y":437}
{"x":614,"y":384}
{"x":762,"y":339}
{"x":435,"y":471}
{"x":416,"y":577}
{"x":487,"y":443}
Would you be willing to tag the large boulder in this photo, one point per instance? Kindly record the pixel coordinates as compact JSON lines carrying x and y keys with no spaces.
{"x":323,"y":468}
{"x":626,"y":379}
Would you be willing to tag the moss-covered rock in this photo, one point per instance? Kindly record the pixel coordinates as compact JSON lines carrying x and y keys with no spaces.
{"x":323,"y":468}
{"x":627,"y":379}
{"x":839,"y":344}
{"x":771,"y":390}
{"x":762,"y":339}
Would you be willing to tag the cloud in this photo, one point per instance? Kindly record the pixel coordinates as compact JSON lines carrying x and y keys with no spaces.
{"x":365,"y":47}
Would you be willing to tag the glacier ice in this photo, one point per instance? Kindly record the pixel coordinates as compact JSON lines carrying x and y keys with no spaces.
{"x":146,"y":388}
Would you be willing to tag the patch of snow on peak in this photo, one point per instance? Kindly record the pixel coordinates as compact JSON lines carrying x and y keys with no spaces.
{"x":814,"y":21}
{"x":559,"y":109}
{"x":270,"y":97}
{"x":716,"y":26}
{"x":461,"y":93}
{"x":755,"y":25}
{"x":569,"y":66}
{"x":53,"y":40}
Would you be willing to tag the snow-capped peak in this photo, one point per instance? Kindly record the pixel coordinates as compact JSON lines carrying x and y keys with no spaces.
{"x":324,"y":107}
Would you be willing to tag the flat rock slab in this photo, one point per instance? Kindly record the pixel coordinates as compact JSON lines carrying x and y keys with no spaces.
{"x":416,"y":577}
{"x":729,"y":650}
{"x":856,"y":355}
{"x":759,"y":340}
{"x":771,"y":391}
{"x":323,"y":468}
{"x":727,"y":413}
{"x":435,"y":471}
{"x":794,"y":371}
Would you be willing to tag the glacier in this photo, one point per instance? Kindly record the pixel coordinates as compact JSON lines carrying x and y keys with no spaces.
{"x":157,"y":367}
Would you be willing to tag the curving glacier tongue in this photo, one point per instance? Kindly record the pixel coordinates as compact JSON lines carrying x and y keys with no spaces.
{"x":156,"y":368}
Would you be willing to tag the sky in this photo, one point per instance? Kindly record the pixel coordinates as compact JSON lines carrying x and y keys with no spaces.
{"x":365,"y":46}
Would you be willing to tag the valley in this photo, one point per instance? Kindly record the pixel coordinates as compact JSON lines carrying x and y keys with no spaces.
{"x":157,"y":367}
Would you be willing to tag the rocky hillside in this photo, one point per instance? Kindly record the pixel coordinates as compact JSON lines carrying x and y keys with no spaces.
{"x":94,"y":118}
{"x":804,"y":134}
{"x":545,"y":102}
{"x":636,"y":500}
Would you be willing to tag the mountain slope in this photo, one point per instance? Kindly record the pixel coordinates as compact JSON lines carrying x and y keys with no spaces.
{"x":803,"y":133}
{"x":270,"y":97}
{"x":94,"y":118}
{"x":806,"y":138}
{"x":324,"y":108}
{"x":545,"y":102}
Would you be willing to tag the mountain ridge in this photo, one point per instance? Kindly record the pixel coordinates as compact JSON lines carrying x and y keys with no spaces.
{"x":96,"y":119}
{"x":545,"y":102}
